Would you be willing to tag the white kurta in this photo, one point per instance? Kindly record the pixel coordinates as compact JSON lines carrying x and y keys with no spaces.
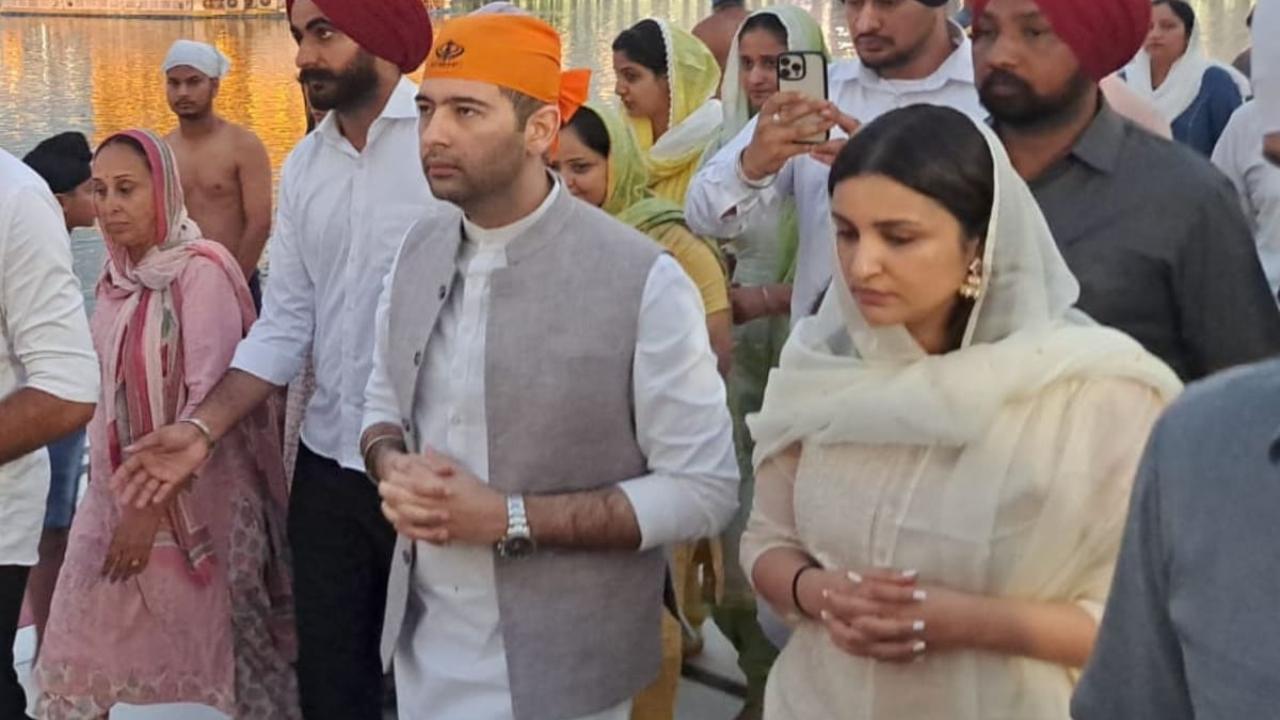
{"x":1049,"y":529}
{"x":451,"y":663}
{"x":1239,"y":157}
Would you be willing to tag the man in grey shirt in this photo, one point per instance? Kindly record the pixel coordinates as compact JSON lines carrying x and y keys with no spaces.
{"x":1190,"y":629}
{"x":1153,"y":232}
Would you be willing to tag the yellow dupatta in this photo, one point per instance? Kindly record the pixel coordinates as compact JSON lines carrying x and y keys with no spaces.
{"x":695,"y":117}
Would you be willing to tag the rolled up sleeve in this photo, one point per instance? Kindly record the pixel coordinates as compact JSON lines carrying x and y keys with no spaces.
{"x":41,"y":304}
{"x":682,"y":418}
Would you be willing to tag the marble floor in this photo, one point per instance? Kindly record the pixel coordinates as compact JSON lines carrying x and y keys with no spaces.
{"x":697,"y":699}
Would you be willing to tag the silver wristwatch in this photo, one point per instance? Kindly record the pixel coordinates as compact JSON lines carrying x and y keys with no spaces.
{"x":518,"y":542}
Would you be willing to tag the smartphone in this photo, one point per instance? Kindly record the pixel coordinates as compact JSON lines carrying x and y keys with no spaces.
{"x":805,"y":72}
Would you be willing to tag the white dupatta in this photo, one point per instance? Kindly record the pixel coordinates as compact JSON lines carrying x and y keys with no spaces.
{"x":842,"y":380}
{"x":1182,"y":85}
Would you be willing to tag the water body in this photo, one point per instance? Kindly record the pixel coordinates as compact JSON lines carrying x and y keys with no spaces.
{"x":100,"y":75}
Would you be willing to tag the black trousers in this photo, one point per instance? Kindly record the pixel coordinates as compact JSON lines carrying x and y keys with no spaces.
{"x":13,"y":583}
{"x":342,"y":547}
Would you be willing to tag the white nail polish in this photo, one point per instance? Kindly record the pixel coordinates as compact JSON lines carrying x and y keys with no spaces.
{"x":824,"y":615}
{"x":910,"y":574}
{"x":854,"y":577}
{"x":917,"y":626}
{"x":826,"y":593}
{"x":919,"y":596}
{"x":919,"y":647}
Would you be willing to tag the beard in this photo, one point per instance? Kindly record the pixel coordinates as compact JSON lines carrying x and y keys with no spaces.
{"x":474,"y":181}
{"x":882,"y":53}
{"x":1012,"y":101}
{"x":347,"y":88}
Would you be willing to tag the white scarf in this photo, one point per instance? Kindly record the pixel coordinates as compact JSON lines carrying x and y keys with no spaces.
{"x":1182,"y":85}
{"x":842,"y":380}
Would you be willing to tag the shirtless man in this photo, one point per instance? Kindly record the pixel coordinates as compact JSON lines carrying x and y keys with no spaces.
{"x":716,"y":30}
{"x":226,"y":174}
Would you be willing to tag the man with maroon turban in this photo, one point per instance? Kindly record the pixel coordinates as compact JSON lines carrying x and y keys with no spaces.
{"x":348,"y":193}
{"x":1153,"y":233}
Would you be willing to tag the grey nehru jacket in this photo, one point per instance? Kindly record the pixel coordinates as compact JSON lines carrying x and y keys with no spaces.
{"x":581,"y":629}
{"x":1192,"y":625}
{"x":1155,"y":235}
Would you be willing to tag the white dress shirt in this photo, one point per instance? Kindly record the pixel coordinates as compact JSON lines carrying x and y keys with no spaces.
{"x":451,"y":663}
{"x":1239,"y":156}
{"x":44,"y":339}
{"x":341,"y":217}
{"x":720,"y":205}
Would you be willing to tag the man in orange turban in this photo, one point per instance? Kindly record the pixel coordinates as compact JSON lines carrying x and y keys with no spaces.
{"x":544,"y":413}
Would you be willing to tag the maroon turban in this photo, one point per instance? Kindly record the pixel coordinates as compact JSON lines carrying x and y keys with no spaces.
{"x":398,"y":31}
{"x":1103,"y":34}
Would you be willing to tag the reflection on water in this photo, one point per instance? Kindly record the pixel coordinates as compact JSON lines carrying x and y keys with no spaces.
{"x":99,"y":75}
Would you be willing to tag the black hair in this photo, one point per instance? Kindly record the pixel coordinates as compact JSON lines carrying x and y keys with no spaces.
{"x":62,"y":160}
{"x":937,"y":152}
{"x":643,"y":44}
{"x":933,"y":150}
{"x":1183,"y":10}
{"x":524,"y":105}
{"x":590,"y":128}
{"x":767,"y":22}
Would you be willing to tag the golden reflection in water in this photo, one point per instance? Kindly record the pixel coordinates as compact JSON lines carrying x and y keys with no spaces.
{"x":99,"y":75}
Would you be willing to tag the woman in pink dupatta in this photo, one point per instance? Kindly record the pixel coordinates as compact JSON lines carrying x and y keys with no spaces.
{"x":189,"y":602}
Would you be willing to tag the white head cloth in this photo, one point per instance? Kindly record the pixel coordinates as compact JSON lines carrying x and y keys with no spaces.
{"x":844,"y":380}
{"x":1182,"y":84}
{"x":200,"y":56}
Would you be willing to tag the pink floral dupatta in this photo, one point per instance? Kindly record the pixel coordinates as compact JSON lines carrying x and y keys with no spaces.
{"x":144,"y":383}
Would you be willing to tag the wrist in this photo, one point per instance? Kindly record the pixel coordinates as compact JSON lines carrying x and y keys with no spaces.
{"x":200,"y":432}
{"x":751,"y":172}
{"x":806,"y":592}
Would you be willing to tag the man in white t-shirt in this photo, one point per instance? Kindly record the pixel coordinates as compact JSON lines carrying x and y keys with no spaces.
{"x":48,"y":383}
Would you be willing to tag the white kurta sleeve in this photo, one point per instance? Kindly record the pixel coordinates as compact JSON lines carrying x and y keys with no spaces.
{"x":718,"y":204}
{"x":682,"y":418}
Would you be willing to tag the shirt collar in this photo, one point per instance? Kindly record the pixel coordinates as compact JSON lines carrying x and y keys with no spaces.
{"x":402,"y":104}
{"x":1100,"y":144}
{"x":958,"y":67}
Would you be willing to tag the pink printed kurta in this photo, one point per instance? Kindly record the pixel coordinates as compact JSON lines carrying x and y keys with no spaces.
{"x":159,"y":637}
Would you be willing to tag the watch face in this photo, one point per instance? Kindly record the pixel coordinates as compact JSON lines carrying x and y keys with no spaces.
{"x":516,"y":547}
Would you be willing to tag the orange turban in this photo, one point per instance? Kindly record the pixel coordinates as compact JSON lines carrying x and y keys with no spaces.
{"x":516,"y":52}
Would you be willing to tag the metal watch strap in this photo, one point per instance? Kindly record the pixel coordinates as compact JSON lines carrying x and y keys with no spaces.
{"x":517,"y":518}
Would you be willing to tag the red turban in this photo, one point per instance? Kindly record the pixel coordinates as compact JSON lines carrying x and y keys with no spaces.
{"x":398,"y":31}
{"x":1103,"y":34}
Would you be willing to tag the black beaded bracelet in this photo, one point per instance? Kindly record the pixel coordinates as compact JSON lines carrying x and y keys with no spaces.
{"x":795,"y":587}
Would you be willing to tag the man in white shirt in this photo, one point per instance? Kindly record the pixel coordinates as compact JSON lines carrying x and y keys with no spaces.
{"x":1266,"y":73}
{"x":48,"y":383}
{"x":1239,"y":155}
{"x":348,"y":193}
{"x":908,"y":53}
{"x":544,"y":415}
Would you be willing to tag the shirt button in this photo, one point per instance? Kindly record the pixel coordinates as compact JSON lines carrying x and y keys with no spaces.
{"x":456,"y":420}
{"x":417,"y":358}
{"x":407,"y":426}
{"x":443,"y":291}
{"x":407,"y":557}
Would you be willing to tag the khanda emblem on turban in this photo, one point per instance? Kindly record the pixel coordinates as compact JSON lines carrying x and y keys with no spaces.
{"x":449,"y":52}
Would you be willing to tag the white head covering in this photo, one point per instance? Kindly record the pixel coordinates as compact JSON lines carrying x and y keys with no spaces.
{"x":1182,"y":84}
{"x":843,"y":380}
{"x":201,"y":56}
{"x":803,"y":33}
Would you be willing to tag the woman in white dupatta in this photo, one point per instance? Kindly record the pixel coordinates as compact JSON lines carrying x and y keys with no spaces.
{"x":944,"y":462}
{"x":1195,"y":94}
